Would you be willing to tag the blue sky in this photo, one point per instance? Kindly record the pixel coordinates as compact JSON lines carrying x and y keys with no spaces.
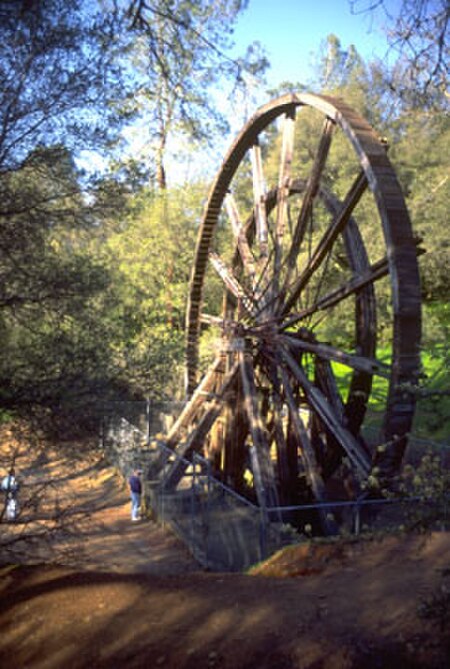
{"x":292,"y":30}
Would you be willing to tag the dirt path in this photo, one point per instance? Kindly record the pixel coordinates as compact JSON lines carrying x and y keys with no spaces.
{"x":118,"y":594}
{"x":114,"y":544}
{"x":109,"y":542}
{"x":91,"y":501}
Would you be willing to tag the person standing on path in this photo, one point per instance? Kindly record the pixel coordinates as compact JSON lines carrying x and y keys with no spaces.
{"x":135,"y":493}
{"x":10,"y":488}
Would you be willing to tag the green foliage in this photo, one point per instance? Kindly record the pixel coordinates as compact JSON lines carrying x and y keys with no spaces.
{"x":433,"y":397}
{"x":57,"y":81}
{"x":93,"y":300}
{"x":417,"y":32}
{"x":151,"y":257}
{"x":177,"y":51}
{"x":428,"y":482}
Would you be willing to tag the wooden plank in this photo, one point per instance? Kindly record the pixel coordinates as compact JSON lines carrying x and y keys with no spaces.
{"x":318,"y":403}
{"x":327,"y":352}
{"x":284,"y":180}
{"x":236,"y":432}
{"x":192,"y":407}
{"x":286,"y":476}
{"x":232,"y":284}
{"x":259,"y":199}
{"x":263,"y":474}
{"x":324,"y":246}
{"x":309,"y":457}
{"x":175,"y":472}
{"x":210,"y":319}
{"x":187,"y":415}
{"x":240,"y":236}
{"x":196,"y":438}
{"x":326,"y":381}
{"x":308,"y":197}
{"x":376,"y":271}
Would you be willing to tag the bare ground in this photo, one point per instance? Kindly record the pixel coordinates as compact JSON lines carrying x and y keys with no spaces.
{"x":116,"y":594}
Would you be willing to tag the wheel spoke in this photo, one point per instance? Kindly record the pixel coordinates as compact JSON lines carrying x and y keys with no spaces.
{"x":198,"y":398}
{"x":323,"y":248}
{"x":262,"y":467}
{"x":263,"y":291}
{"x":327,"y":352}
{"x":240,"y":236}
{"x":232,"y":284}
{"x":259,"y":195}
{"x":220,"y":321}
{"x":236,"y":431}
{"x":212,"y":405}
{"x":376,"y":271}
{"x":326,"y":381}
{"x":309,"y":457}
{"x":284,"y":179}
{"x":310,"y":192}
{"x":287,"y":471}
{"x":319,"y":404}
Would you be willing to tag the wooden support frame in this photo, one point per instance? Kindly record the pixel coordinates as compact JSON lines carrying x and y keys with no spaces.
{"x":279,"y":291}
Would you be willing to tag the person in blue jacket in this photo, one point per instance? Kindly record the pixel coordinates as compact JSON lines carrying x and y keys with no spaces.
{"x":135,"y":485}
{"x":10,"y":487}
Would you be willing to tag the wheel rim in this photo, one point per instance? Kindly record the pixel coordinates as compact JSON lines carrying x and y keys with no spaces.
{"x":278,"y":283}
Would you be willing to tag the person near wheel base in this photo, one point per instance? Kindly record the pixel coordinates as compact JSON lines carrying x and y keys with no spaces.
{"x":135,"y":485}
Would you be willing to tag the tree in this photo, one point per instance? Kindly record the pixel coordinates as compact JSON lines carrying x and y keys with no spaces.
{"x":178,"y":50}
{"x":418,"y":31}
{"x":57,"y":86}
{"x":151,"y":257}
{"x":57,"y":348}
{"x":57,"y":82}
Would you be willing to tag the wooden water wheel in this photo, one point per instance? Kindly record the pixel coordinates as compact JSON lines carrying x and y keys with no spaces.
{"x":306,"y":234}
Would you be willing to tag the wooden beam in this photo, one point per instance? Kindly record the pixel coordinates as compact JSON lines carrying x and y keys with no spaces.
{"x":318,"y":403}
{"x":240,"y":236}
{"x":308,"y":197}
{"x":327,"y":352}
{"x":263,"y":474}
{"x":175,"y":472}
{"x":284,"y":180}
{"x":309,"y":457}
{"x":196,"y":438}
{"x":187,"y":415}
{"x":376,"y":271}
{"x":198,"y":398}
{"x":259,"y":199}
{"x":324,"y":246}
{"x":232,"y":284}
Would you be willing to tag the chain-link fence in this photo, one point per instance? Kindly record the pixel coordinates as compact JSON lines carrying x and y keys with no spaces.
{"x":226,"y":532}
{"x":151,"y":417}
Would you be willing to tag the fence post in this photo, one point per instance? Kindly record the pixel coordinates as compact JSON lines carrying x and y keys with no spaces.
{"x":263,"y":519}
{"x":208,"y":511}
{"x":193,"y":504}
{"x":357,"y":518}
{"x":147,"y":418}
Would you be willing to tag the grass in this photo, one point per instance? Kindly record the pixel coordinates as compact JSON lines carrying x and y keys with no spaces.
{"x":432,"y":417}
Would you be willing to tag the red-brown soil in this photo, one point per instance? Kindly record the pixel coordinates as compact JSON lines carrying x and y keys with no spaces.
{"x":117,"y":594}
